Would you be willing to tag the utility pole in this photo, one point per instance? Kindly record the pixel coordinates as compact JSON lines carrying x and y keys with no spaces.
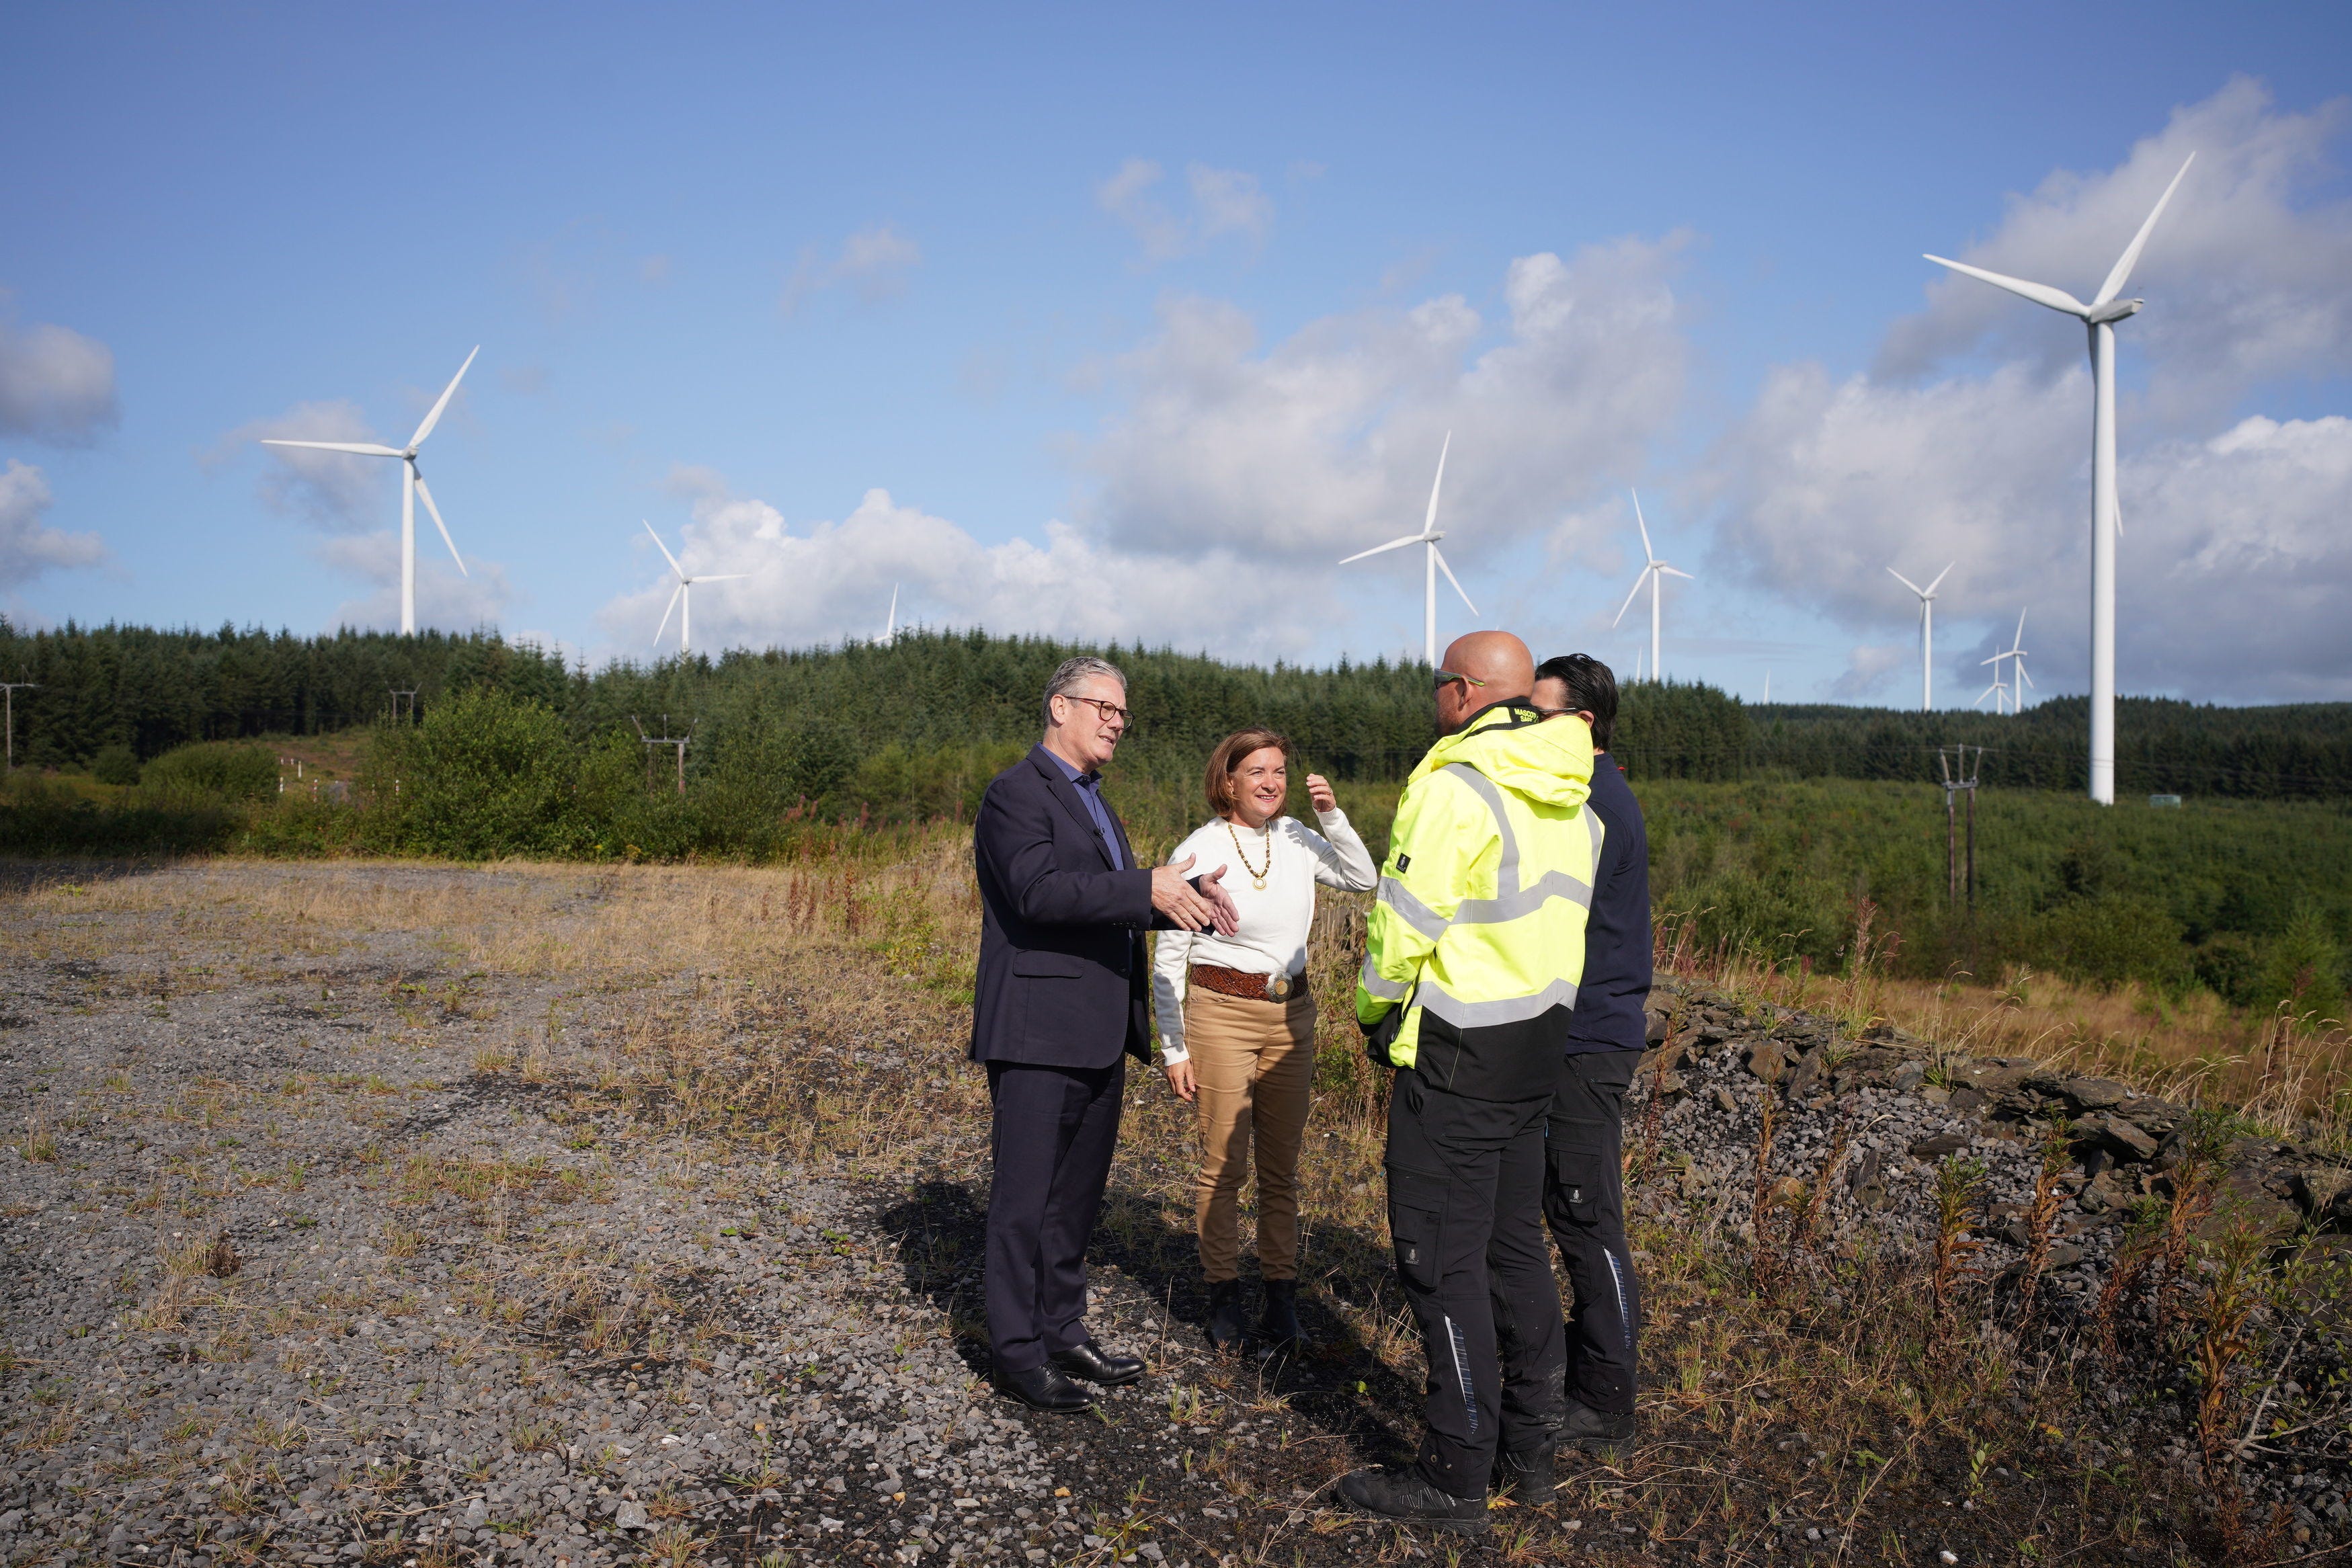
{"x":666,"y":738}
{"x":12,"y":688}
{"x":1959,"y":876}
{"x":396,"y":694}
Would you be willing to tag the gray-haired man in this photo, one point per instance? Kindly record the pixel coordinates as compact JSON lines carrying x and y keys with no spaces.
{"x":1058,"y":1003}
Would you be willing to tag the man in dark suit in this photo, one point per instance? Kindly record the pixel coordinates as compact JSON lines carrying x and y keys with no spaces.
{"x":1584,"y":1198}
{"x":1058,"y":1004}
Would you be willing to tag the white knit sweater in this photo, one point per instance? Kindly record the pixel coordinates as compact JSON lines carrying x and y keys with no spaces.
{"x":1272,"y":937}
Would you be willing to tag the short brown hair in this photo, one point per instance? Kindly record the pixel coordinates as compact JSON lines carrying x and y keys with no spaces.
{"x":1227,"y":758}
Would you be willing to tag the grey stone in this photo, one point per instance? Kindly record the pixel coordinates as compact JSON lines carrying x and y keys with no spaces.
{"x":1937,"y":1146}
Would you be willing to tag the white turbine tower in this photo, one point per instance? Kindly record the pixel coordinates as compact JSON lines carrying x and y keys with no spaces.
{"x":411,"y":484}
{"x":1652,"y":572}
{"x":2098,"y":318}
{"x":681,"y":598}
{"x":1431,"y":564}
{"x":1926,"y":632}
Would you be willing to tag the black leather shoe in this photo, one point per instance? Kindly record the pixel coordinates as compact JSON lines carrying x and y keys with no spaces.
{"x":1278,"y":1326}
{"x":1527,"y":1477}
{"x":1043,"y":1388}
{"x":1596,"y":1432}
{"x":1226,"y":1315}
{"x":1094,"y":1364}
{"x":1402,"y":1495}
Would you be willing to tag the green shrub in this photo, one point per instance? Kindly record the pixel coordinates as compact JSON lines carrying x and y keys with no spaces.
{"x":220,"y":770}
{"x":2304,"y":967}
{"x":2229,"y":966}
{"x":2112,"y":938}
{"x":483,"y":774}
{"x":116,"y":764}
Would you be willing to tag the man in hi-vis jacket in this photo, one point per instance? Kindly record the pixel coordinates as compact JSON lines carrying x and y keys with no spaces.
{"x":1475,"y":948}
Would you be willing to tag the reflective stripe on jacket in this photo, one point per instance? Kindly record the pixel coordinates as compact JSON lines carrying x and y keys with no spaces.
{"x":1477,"y":930}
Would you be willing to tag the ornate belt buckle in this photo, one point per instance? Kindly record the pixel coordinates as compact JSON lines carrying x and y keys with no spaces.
{"x":1279,"y":986}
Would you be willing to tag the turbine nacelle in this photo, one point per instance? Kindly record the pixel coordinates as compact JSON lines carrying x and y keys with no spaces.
{"x":2111,"y":312}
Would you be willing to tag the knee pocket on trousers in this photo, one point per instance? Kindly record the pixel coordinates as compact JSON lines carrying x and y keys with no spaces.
{"x":1417,"y":1225}
{"x":1579,"y":1179}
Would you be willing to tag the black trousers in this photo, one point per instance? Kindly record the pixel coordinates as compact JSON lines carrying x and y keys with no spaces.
{"x":1052,"y":1141}
{"x":1466,"y":1214}
{"x":1585,"y":1202}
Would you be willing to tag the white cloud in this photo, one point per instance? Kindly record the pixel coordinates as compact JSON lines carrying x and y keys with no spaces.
{"x":1238,"y":475}
{"x":338,"y":491}
{"x":56,"y":385}
{"x":1870,"y":668}
{"x":873,"y":263}
{"x":2244,"y":274}
{"x":1224,"y":201}
{"x":28,"y":547}
{"x":1327,"y":442}
{"x":831,"y":580}
{"x":444,"y":599}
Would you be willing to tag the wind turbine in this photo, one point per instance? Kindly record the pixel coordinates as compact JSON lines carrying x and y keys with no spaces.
{"x":411,"y":484}
{"x":1926,"y":632}
{"x":1433,"y":563}
{"x":2015,"y":655}
{"x":681,"y":598}
{"x":2098,"y":318}
{"x":890,"y":626}
{"x":1651,"y":571}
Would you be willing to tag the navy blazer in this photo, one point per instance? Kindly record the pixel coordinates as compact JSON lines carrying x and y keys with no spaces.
{"x":1061,"y":979}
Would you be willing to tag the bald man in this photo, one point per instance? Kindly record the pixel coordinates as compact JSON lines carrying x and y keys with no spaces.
{"x":1473,"y":954}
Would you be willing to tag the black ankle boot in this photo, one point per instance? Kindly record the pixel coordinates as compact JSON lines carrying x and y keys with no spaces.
{"x":1278,"y":1326}
{"x":1226,"y":1315}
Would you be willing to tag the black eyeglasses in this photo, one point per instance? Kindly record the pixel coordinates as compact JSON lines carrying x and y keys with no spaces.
{"x":1109,"y":710}
{"x":1446,"y":675}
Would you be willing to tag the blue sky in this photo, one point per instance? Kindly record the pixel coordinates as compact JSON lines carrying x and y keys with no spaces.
{"x":1129,"y":323}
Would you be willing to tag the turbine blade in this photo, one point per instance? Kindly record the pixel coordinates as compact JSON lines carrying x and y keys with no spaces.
{"x":364,"y":448}
{"x":1440,"y":556}
{"x":1996,"y":659}
{"x":1376,"y":549}
{"x":2023,"y":677}
{"x":1940,"y":579}
{"x":664,"y":550}
{"x":1429,"y":523}
{"x":438,"y":523}
{"x":1665,"y":571}
{"x":1906,"y":582}
{"x":665,"y":620}
{"x":1988,"y":690}
{"x":2040,"y":292}
{"x":434,"y":418}
{"x":1631,"y":597}
{"x":2021,"y":628}
{"x":1648,"y":554}
{"x":719,"y":576}
{"x":2130,"y":258}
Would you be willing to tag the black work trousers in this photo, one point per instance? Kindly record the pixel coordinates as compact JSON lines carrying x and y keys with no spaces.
{"x":1055,"y":1128}
{"x":1465,"y":1213}
{"x":1585,"y":1200}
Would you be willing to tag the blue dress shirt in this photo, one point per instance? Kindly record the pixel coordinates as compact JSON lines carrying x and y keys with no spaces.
{"x":1088,"y":784}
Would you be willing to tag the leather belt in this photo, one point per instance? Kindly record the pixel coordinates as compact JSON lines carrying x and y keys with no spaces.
{"x":1248,"y":987}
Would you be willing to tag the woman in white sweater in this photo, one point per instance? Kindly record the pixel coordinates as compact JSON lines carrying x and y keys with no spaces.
{"x":1237,"y":1025}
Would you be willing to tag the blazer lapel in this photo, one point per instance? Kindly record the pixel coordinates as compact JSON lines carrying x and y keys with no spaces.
{"x":1057,"y":783}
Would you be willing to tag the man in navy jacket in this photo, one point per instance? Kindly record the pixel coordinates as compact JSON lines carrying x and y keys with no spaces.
{"x":1584,"y":1197}
{"x":1058,"y":1004}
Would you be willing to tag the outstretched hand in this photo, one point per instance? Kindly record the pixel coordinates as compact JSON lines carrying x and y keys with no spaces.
{"x":1221,"y":903}
{"x":1172,"y":895}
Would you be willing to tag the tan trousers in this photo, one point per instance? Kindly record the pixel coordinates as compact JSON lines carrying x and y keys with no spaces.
{"x":1254,"y":1063}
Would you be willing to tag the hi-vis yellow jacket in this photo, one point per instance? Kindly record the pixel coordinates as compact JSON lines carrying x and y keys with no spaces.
{"x":1478,"y":928}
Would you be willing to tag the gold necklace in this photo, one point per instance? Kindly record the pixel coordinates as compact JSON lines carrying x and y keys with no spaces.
{"x":1257,"y":877}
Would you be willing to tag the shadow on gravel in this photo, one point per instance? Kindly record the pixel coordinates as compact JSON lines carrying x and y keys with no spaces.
{"x":31,"y":876}
{"x":1339,"y":1386}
